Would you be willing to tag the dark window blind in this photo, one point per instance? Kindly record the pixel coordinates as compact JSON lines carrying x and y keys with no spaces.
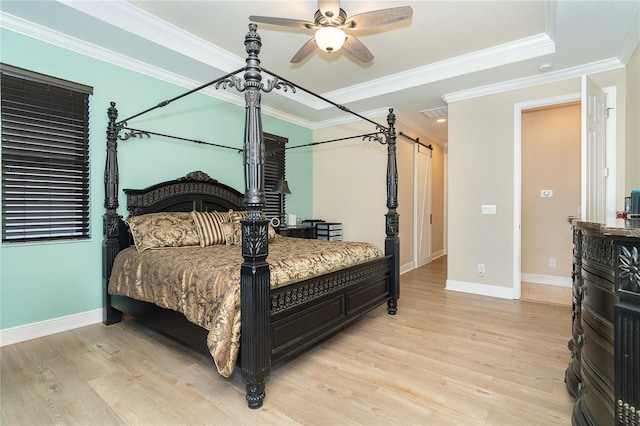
{"x":45,"y":158}
{"x":273,"y":171}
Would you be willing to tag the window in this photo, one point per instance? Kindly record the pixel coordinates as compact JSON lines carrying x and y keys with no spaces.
{"x":45,"y":157}
{"x":274,"y":162}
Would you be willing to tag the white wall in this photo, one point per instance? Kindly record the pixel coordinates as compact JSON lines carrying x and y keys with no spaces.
{"x":481,"y":170}
{"x":349,"y":184}
{"x":633,"y":123}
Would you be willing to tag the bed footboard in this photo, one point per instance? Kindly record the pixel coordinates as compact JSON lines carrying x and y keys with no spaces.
{"x":303,"y":314}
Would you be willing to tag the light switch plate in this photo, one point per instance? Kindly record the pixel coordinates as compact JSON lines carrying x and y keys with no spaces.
{"x":488,"y":209}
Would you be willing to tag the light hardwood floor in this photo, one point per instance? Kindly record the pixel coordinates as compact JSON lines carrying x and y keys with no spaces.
{"x":549,"y":294}
{"x":446,"y":358}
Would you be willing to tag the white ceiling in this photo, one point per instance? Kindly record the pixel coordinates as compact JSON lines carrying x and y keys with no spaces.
{"x":449,"y":50}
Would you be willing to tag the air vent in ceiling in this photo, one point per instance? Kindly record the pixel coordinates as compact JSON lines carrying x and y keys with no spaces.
{"x":436,"y":112}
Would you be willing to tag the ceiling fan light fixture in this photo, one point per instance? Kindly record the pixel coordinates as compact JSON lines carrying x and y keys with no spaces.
{"x":330,"y":39}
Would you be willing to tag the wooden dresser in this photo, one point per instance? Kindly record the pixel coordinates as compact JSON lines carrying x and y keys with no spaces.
{"x":604,"y":373}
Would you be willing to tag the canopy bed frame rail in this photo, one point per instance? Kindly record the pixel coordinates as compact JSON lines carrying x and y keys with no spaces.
{"x":276,"y":324}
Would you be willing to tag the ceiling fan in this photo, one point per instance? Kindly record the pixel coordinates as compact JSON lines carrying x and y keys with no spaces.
{"x":330,"y":23}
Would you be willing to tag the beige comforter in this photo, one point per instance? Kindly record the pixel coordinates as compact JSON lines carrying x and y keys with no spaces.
{"x":203,"y":283}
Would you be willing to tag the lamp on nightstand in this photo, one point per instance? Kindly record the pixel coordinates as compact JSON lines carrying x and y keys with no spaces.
{"x":281,"y":188}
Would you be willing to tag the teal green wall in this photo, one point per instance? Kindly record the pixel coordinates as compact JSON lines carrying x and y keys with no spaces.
{"x":44,"y":281}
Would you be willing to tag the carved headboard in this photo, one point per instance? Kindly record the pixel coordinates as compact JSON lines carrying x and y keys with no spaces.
{"x":196,"y":191}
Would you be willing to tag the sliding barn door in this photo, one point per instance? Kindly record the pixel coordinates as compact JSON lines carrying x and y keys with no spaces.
{"x":594,"y":171}
{"x":423,"y":205}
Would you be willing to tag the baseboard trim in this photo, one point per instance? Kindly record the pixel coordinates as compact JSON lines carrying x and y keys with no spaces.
{"x":437,"y":255}
{"x":21,"y":333}
{"x":546,"y":280}
{"x":480,"y":289}
{"x":406,"y":267}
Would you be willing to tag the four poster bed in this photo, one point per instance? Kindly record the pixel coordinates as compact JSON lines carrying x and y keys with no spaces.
{"x":195,"y":253}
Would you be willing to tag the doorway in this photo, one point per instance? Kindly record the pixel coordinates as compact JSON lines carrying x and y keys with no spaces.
{"x":610,"y":191}
{"x":551,"y":192}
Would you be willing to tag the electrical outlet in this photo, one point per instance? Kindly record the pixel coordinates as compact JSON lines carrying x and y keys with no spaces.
{"x":552,"y":262}
{"x":481,"y":269}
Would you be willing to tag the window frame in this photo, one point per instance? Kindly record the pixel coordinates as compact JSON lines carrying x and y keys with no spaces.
{"x":274,"y":169}
{"x":45,"y":158}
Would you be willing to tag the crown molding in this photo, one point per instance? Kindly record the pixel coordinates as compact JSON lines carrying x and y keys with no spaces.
{"x":140,"y":23}
{"x":379,"y":112}
{"x":64,"y":41}
{"x":49,"y":36}
{"x":293,"y":119}
{"x":519,"y":50}
{"x":551,"y":18}
{"x":143,"y":24}
{"x":84,"y":48}
{"x":136,"y":21}
{"x":521,"y":83}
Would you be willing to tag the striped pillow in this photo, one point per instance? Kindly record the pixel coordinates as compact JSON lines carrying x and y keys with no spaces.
{"x":237,"y":216}
{"x":209,"y":227}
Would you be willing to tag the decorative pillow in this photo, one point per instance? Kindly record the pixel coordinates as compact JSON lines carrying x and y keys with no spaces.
{"x":171,"y":229}
{"x":208,"y":225}
{"x":232,"y":233}
{"x":272,"y":232}
{"x":237,"y":216}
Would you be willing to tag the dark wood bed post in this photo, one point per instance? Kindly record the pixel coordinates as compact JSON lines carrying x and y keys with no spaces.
{"x":255,"y":341}
{"x":392,"y":242}
{"x":111,"y":223}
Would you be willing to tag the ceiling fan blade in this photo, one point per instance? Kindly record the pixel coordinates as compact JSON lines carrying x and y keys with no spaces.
{"x":376,"y":18}
{"x":307,"y":49}
{"x":330,"y":9}
{"x":284,"y":22}
{"x":357,"y":49}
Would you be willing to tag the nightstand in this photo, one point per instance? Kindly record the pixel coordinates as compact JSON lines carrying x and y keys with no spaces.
{"x":298,"y":231}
